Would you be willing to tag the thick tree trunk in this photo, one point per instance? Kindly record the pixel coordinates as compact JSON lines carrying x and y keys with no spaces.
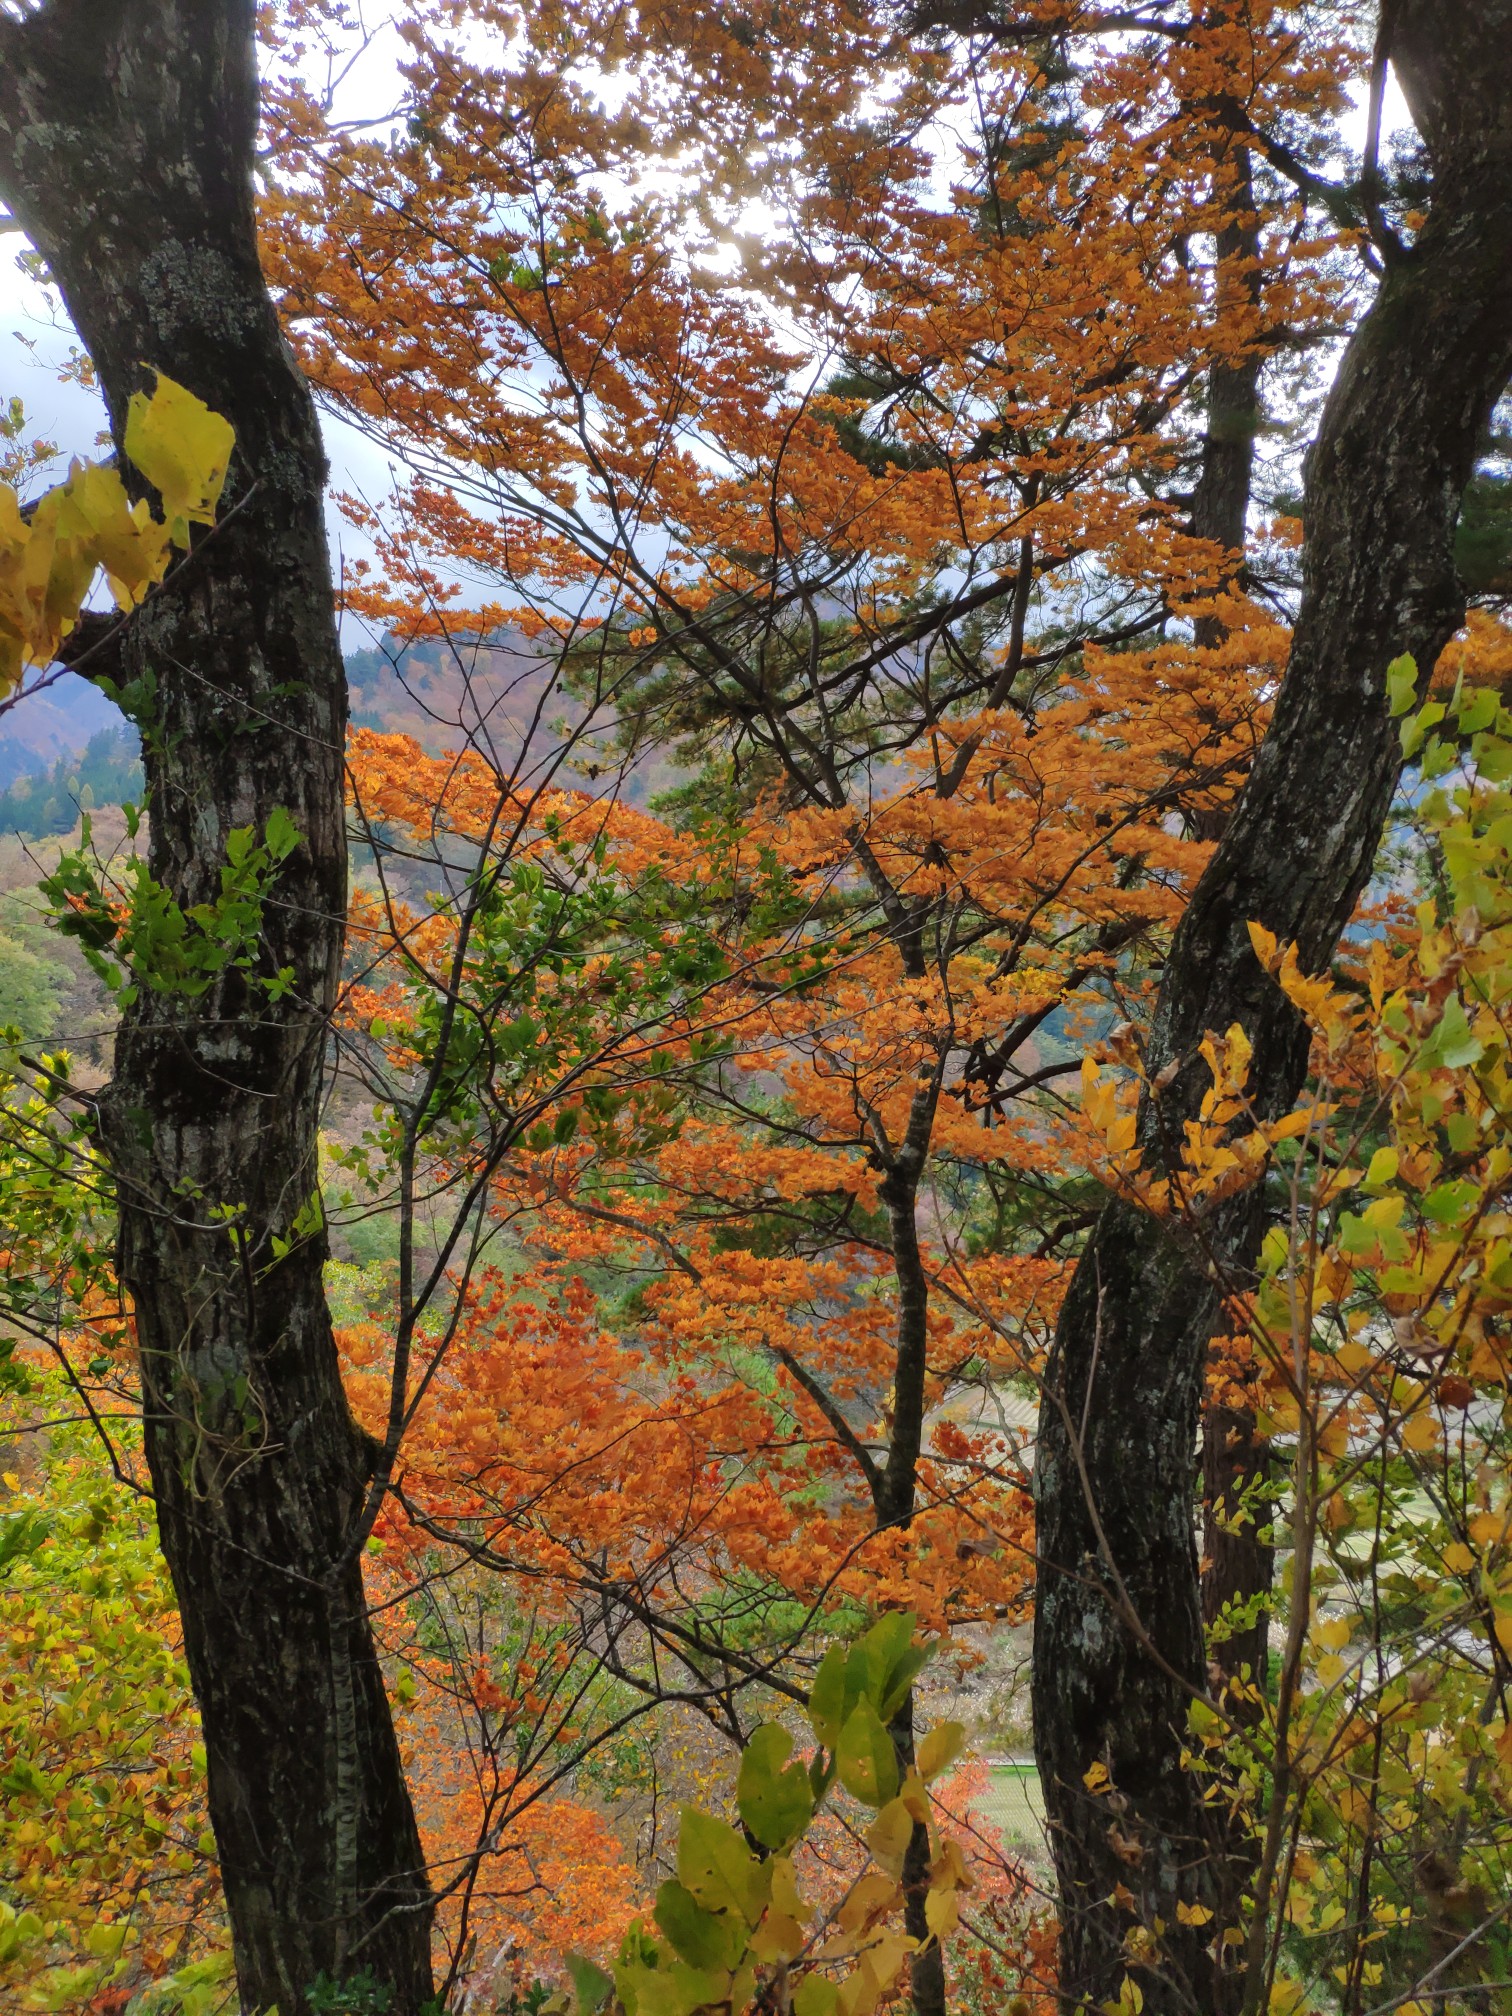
{"x":1118,"y":1643}
{"x":127,"y":130}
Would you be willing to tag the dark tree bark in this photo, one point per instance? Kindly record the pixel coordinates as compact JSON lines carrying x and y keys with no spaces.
{"x":1238,"y":1557}
{"x":1221,"y":499}
{"x":127,"y":130}
{"x":1118,"y":1642}
{"x":895,"y":1489}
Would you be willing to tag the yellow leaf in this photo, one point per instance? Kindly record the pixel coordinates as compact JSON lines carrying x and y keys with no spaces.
{"x":859,"y":1995}
{"x":948,"y":1870}
{"x":940,"y":1748}
{"x":942,"y":1913}
{"x":1293,"y":1124}
{"x":915,"y":1798}
{"x":785,"y":1897}
{"x":1130,"y":1999}
{"x":868,"y":1900}
{"x":1458,"y":1558}
{"x":889,"y":1835}
{"x":49,"y":561}
{"x":1384,"y":1214}
{"x":778,"y":1937}
{"x":1420,"y":1433}
{"x":1193,"y":1914}
{"x":1265,"y":945}
{"x":126,"y":541}
{"x":1382,"y":1170}
{"x":184,"y":451}
{"x":1377,"y":969}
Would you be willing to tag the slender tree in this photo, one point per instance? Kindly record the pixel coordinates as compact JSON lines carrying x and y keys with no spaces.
{"x":127,"y":132}
{"x":1119,"y":1648}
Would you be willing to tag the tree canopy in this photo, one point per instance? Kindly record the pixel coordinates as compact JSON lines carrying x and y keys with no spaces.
{"x":885,"y":1033}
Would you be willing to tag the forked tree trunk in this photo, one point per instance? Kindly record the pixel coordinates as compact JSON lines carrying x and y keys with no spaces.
{"x":127,"y":130}
{"x":1118,"y":1641}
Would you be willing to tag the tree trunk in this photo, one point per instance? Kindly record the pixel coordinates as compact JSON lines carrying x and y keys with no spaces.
{"x":1238,"y":1557}
{"x":1118,"y":1641}
{"x":127,"y":130}
{"x":1221,"y":499}
{"x":894,"y":1494}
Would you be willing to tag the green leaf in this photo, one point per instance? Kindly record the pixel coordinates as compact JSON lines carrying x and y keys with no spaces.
{"x":668,"y":1991}
{"x":21,"y":1534}
{"x":1493,"y":759}
{"x":827,"y":1706}
{"x":886,"y":1662}
{"x":815,"y":1995}
{"x":714,"y":1863}
{"x":1449,"y":1203}
{"x":1401,"y":683}
{"x":901,"y":1677}
{"x":702,"y":1937}
{"x":1453,"y":1044}
{"x":280,"y":836}
{"x":590,"y":1984}
{"x":776,"y":1804}
{"x":1416,"y":727}
{"x":1478,"y":709}
{"x":867,"y":1761}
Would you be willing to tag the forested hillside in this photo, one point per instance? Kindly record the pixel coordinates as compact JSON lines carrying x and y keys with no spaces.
{"x":766,"y":1267}
{"x":104,"y":772}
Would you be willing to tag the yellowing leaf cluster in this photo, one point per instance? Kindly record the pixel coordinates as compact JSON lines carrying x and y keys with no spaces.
{"x":50,"y":556}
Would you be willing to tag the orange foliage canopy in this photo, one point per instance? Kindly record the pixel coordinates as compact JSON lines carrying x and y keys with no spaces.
{"x":817,"y":410}
{"x":821,"y":405}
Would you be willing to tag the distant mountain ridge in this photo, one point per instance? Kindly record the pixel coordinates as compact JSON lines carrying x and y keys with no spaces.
{"x":502,"y":697}
{"x":425,"y":691}
{"x":61,"y":720}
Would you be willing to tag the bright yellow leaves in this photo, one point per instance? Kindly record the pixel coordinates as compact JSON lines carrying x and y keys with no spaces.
{"x":1379,"y":1368}
{"x":184,"y":451}
{"x":1108,"y":1109}
{"x":1314,"y":997}
{"x":1226,"y":1148}
{"x":87,"y":526}
{"x":107,"y":1864}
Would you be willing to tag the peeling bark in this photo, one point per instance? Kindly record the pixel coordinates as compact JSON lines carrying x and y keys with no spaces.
{"x":1118,"y":1641}
{"x":126,"y":145}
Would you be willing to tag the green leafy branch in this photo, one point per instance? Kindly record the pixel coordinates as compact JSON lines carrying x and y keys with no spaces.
{"x":141,"y":935}
{"x":733,"y":1925}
